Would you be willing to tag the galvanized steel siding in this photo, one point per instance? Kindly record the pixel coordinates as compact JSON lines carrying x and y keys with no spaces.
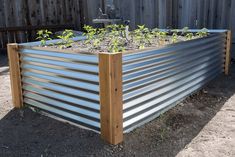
{"x":155,"y":80}
{"x":63,"y":84}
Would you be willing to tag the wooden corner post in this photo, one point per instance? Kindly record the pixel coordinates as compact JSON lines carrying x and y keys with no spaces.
{"x":228,"y":52}
{"x":111,"y":119}
{"x":15,"y":77}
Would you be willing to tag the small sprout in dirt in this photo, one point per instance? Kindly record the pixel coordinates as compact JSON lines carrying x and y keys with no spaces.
{"x":36,"y":110}
{"x":96,"y":43}
{"x":189,"y":36}
{"x":66,"y":38}
{"x":116,"y":45}
{"x":101,"y":32}
{"x":142,"y":36}
{"x":175,"y":35}
{"x":163,"y":133}
{"x":160,"y":35}
{"x":202,"y":33}
{"x":43,"y":36}
{"x":90,"y":33}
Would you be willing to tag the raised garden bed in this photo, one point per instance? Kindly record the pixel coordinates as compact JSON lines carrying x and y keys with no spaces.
{"x":113,"y":93}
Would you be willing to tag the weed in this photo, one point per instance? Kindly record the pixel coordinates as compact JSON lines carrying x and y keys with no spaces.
{"x":36,"y":110}
{"x":43,"y":36}
{"x":163,"y":133}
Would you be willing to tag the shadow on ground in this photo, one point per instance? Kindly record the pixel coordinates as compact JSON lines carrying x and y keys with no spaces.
{"x":3,"y":63}
{"x":26,"y":133}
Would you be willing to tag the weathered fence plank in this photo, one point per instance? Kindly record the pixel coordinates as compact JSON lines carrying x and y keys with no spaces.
{"x":152,"y":13}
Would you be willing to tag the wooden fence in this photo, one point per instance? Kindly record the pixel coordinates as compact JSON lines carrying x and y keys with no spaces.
{"x":178,"y":13}
{"x":152,"y":13}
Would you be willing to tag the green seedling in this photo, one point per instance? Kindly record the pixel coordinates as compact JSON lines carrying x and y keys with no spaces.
{"x":115,"y":45}
{"x":175,"y":35}
{"x":43,"y":36}
{"x":189,"y":36}
{"x":90,"y":33}
{"x":66,"y":38}
{"x":202,"y":33}
{"x":96,"y":43}
{"x":116,"y":40}
{"x":101,"y":33}
{"x":142,"y":36}
{"x":160,"y":35}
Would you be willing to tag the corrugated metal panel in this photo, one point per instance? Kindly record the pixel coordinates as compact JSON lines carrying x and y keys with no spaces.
{"x":63,"y":84}
{"x":155,"y":80}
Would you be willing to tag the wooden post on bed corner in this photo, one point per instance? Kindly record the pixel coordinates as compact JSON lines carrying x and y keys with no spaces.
{"x":228,"y":52}
{"x":111,"y":112}
{"x":15,"y":76}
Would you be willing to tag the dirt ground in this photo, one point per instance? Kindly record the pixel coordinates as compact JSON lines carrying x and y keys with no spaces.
{"x":202,"y":125}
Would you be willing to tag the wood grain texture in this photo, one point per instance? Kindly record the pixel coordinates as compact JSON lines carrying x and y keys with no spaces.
{"x":110,"y":74}
{"x":15,"y":76}
{"x":213,"y":14}
{"x":228,"y":53}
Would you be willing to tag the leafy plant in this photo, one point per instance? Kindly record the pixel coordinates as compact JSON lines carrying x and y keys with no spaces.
{"x":116,"y":40}
{"x":115,"y":45}
{"x":90,"y":33}
{"x":125,"y":32}
{"x":175,"y":35}
{"x":142,"y":36}
{"x":202,"y":33}
{"x":160,"y":35}
{"x":43,"y":36}
{"x":66,"y":38}
{"x":189,"y":36}
{"x":101,"y":33}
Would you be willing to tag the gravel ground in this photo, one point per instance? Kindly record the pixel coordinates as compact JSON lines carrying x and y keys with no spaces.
{"x":201,"y":125}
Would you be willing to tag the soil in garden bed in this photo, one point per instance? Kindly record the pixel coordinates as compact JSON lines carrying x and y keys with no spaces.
{"x":117,"y":38}
{"x":82,"y":46}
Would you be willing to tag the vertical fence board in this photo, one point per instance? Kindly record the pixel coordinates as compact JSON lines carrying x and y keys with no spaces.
{"x":152,"y":13}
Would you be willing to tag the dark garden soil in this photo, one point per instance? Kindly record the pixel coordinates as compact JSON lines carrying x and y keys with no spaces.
{"x":26,"y":133}
{"x":82,"y":46}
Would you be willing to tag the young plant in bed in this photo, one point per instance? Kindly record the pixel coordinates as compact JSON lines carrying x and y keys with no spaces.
{"x":189,"y":36}
{"x":160,"y":35}
{"x":202,"y":33}
{"x":142,"y":36}
{"x":90,"y":34}
{"x":117,"y":42}
{"x":66,"y":40}
{"x":43,"y":36}
{"x":175,"y":35}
